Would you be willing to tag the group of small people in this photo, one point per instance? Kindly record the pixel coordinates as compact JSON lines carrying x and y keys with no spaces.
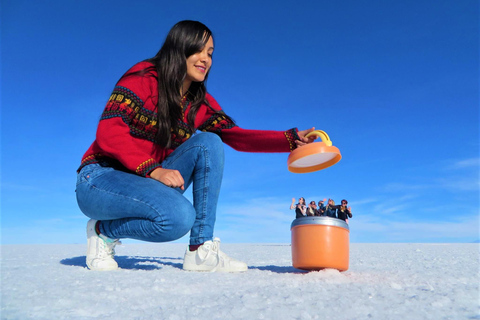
{"x":329,"y":210}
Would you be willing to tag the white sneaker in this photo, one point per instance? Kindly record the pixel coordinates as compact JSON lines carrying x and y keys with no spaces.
{"x":100,"y":249}
{"x":208,"y":257}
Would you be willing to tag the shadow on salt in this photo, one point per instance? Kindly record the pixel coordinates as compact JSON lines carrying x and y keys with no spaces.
{"x":150,"y":263}
{"x":130,"y":263}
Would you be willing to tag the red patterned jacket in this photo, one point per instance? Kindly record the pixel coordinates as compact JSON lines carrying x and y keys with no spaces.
{"x":127,"y":128}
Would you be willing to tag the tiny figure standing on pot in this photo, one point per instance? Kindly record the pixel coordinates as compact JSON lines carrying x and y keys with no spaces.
{"x":331,"y":209}
{"x":300,"y":208}
{"x":343,"y":212}
{"x":321,"y":207}
{"x":312,"y":209}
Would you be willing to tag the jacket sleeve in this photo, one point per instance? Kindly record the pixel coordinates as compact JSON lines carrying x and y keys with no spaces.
{"x":215,"y":120}
{"x":127,"y":127}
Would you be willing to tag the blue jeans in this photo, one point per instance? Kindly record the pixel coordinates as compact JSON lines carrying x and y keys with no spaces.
{"x":131,"y":206}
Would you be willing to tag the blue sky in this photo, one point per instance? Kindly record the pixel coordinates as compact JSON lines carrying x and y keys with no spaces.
{"x":394,"y":83}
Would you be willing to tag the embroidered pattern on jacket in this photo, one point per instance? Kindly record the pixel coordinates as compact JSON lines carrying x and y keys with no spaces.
{"x":144,"y":168}
{"x":93,"y":158}
{"x":181,"y":134}
{"x":291,"y":136}
{"x":217,"y":122}
{"x":126,"y":104}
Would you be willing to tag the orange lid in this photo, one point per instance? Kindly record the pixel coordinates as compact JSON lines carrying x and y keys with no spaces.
{"x":314,"y":156}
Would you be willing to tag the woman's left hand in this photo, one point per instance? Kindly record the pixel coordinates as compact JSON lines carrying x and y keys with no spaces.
{"x":303,"y":141}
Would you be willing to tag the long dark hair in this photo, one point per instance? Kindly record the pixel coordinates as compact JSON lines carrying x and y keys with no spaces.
{"x":184,"y":39}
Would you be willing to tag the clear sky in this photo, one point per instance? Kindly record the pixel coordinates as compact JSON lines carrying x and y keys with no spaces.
{"x":394,"y":83}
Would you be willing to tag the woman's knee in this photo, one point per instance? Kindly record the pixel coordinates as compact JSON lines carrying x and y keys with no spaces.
{"x":211,"y":137}
{"x":177,"y":224}
{"x":212,"y":146}
{"x":210,"y":141}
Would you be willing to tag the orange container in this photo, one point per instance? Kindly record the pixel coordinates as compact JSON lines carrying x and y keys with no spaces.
{"x":319,"y":243}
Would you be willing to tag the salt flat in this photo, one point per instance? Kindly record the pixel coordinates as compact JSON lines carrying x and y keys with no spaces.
{"x":384,"y":281}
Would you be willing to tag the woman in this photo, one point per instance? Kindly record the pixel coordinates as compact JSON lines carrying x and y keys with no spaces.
{"x":331,"y":209}
{"x":132,"y":178}
{"x":300,"y":208}
{"x":321,"y":207}
{"x":343,"y":212}
{"x":312,"y":209}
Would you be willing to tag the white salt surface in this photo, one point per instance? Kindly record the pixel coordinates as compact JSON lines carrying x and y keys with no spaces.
{"x":384,"y":281}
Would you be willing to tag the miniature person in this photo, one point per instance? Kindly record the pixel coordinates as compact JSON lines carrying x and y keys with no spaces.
{"x":300,"y":208}
{"x":343,"y":212}
{"x":331,"y":209}
{"x":312,"y":209}
{"x":321,"y":207}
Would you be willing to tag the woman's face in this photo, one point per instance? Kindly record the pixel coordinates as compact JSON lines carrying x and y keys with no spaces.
{"x":199,"y":63}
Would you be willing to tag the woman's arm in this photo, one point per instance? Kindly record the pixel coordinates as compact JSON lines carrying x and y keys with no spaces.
{"x":245,"y":139}
{"x":292,"y":206}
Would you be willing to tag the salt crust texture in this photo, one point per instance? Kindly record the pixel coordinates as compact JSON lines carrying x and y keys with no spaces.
{"x":384,"y":281}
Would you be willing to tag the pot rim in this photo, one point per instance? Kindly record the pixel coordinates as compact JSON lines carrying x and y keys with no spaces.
{"x":326,"y":221}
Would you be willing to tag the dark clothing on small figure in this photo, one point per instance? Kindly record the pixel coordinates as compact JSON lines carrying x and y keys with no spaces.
{"x":321,"y":209}
{"x":330,"y":211}
{"x":343,"y":213}
{"x":298,"y":213}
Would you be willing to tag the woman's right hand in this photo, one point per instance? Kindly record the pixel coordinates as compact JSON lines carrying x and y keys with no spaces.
{"x":170,"y":178}
{"x":303,"y":140}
